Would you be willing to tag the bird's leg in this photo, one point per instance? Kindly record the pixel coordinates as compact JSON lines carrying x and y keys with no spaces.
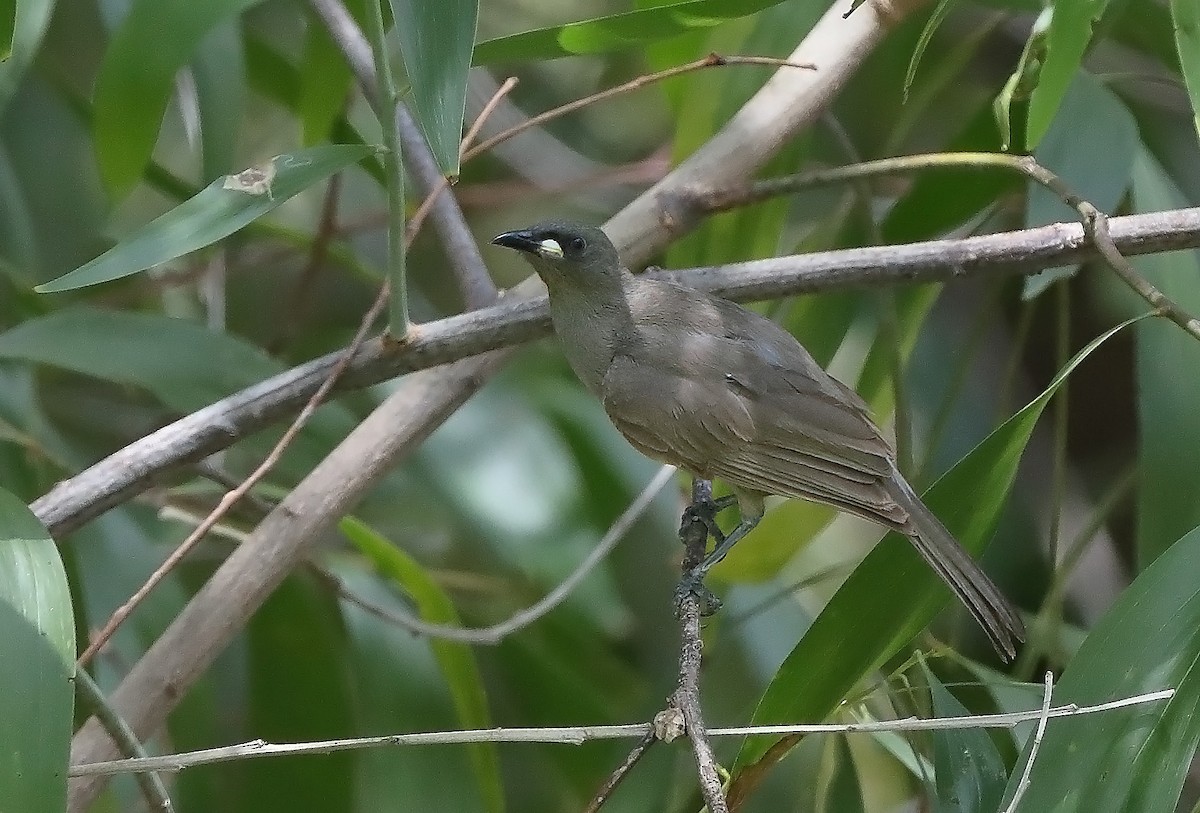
{"x":693,"y":580}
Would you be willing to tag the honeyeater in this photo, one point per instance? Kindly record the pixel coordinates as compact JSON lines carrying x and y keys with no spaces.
{"x":702,"y":383}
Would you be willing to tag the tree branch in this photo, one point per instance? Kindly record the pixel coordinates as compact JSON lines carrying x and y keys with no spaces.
{"x":516,"y":319}
{"x":577,"y":735}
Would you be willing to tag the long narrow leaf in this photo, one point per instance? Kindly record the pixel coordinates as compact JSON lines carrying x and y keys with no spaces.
{"x":435,"y":42}
{"x":892,"y":595}
{"x":456,"y":660}
{"x":1134,"y":758}
{"x":155,"y":40}
{"x":37,"y":660}
{"x":217,"y":211}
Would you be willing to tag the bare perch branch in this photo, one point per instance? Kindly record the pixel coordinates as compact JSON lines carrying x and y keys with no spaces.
{"x":693,"y":533}
{"x":148,"y":460}
{"x":576,"y":735}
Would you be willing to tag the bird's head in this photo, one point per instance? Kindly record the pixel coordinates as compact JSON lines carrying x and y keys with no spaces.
{"x":569,"y":254}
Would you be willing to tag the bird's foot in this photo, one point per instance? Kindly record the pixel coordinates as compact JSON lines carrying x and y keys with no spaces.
{"x":705,"y":513}
{"x":692,"y":586}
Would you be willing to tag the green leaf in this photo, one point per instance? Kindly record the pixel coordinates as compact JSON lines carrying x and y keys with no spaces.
{"x":970,"y":772}
{"x":134,"y":84}
{"x":625,"y":30}
{"x":219,"y":72}
{"x":1066,"y":41}
{"x":1134,"y":758}
{"x":1011,"y":105}
{"x":1185,"y":14}
{"x":435,"y":42}
{"x":29,"y":25}
{"x":8,"y":25}
{"x":184,"y":364}
{"x":892,"y":595}
{"x":37,"y":639}
{"x":931,"y":25}
{"x":325,"y":79}
{"x":217,"y":211}
{"x":456,"y":660}
{"x":1168,"y":376}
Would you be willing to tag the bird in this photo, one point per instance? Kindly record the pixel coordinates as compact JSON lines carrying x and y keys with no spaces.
{"x":702,"y":383}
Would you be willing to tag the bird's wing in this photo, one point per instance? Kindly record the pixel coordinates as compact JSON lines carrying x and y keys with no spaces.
{"x":671,"y":417}
{"x":734,"y":396}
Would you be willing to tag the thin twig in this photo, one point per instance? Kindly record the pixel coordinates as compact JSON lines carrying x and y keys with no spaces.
{"x":577,"y":735}
{"x":232,"y":496}
{"x":1043,"y":718}
{"x":496,"y":633}
{"x":1095,"y":223}
{"x":326,"y":231}
{"x":387,"y":111}
{"x":693,"y":533}
{"x":621,"y":771}
{"x":710,"y":61}
{"x":149,"y":782}
{"x":485,"y":114}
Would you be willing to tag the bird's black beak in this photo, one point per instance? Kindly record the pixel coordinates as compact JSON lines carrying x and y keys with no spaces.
{"x":520,"y":240}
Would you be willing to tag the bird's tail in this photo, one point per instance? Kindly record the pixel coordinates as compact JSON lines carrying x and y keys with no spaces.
{"x":955,"y":566}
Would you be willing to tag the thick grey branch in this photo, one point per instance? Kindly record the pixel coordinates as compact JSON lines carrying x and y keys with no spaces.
{"x":144,"y":462}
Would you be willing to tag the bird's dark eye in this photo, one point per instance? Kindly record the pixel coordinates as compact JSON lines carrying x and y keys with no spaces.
{"x":576,"y":244}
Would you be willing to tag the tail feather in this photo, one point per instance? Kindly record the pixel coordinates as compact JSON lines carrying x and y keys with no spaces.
{"x":958,"y":570}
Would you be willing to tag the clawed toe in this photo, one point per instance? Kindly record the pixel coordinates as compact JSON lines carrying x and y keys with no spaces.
{"x":690,"y":587}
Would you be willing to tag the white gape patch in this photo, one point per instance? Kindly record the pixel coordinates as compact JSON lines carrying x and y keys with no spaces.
{"x":550,"y":248}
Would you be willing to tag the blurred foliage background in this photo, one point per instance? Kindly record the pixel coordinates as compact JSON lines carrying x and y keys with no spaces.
{"x":115,"y":112}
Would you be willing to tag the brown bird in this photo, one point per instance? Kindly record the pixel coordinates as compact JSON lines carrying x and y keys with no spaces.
{"x":707,"y":385}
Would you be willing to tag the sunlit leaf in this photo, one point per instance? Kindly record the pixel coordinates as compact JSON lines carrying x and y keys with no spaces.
{"x":156,"y":39}
{"x":325,"y":79}
{"x":217,"y":211}
{"x":8,"y":24}
{"x":37,"y":637}
{"x":29,"y":21}
{"x":625,"y":30}
{"x":219,"y":72}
